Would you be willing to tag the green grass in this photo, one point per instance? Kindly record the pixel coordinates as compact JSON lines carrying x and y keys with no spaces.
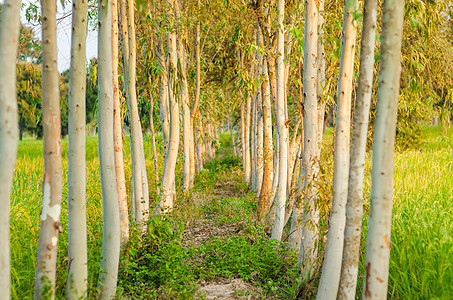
{"x":421,"y":265}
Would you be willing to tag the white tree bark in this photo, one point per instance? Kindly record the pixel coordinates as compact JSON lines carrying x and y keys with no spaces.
{"x":330,"y":277}
{"x":76,"y":286}
{"x":308,"y":248}
{"x":247,"y":166}
{"x":281,"y":196}
{"x":266,"y":189}
{"x":168,"y":177}
{"x":9,"y":37}
{"x":46,"y":260}
{"x":186,"y":118}
{"x":117,"y":132}
{"x":138,"y":153}
{"x":381,"y":195}
{"x":354,"y":206}
{"x":110,"y":210}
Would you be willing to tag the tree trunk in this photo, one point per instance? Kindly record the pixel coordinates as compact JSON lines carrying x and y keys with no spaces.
{"x":247,"y":165}
{"x":76,"y":285}
{"x":337,"y":219}
{"x":117,"y":132}
{"x":46,"y":260}
{"x":138,"y":153}
{"x":266,"y":189}
{"x":164,"y":110}
{"x":110,"y":209}
{"x":168,"y":177}
{"x":277,"y":230}
{"x":381,"y":195}
{"x":186,"y":119}
{"x":308,"y":248}
{"x":354,"y":206}
{"x":153,"y":140}
{"x":9,"y":132}
{"x":196,"y":101}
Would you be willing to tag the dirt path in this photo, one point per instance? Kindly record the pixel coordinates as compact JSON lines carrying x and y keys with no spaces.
{"x":207,"y":228}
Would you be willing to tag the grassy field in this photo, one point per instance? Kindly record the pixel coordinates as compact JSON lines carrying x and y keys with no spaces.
{"x":421,"y":265}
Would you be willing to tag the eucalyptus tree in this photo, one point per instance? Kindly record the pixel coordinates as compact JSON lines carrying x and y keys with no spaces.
{"x":381,"y":195}
{"x":185,"y":101}
{"x":194,"y":109}
{"x":266,"y":188}
{"x":165,"y":203}
{"x":310,"y":163}
{"x":139,"y":177}
{"x":50,"y":227}
{"x":337,"y":218}
{"x":117,"y":132}
{"x":76,"y":286}
{"x":354,"y":206}
{"x":282,"y":193}
{"x":9,"y":134}
{"x":110,"y":209}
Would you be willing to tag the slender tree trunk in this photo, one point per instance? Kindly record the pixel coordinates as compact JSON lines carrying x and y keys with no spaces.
{"x":153,"y":141}
{"x":308,"y":249}
{"x":247,"y":165}
{"x":259,"y":128}
{"x":243,"y":145}
{"x":46,"y":260}
{"x":138,"y":154}
{"x":186,"y":119}
{"x":110,"y":209}
{"x":354,"y":206}
{"x":266,"y":189}
{"x":9,"y":132}
{"x":76,"y":286}
{"x":321,"y":75}
{"x":381,"y":195}
{"x":168,"y":177}
{"x":337,"y":219}
{"x":196,"y":101}
{"x":164,"y":110}
{"x":277,"y":230}
{"x":117,"y":132}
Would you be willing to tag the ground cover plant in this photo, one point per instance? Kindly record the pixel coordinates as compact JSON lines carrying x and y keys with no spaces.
{"x":213,"y":236}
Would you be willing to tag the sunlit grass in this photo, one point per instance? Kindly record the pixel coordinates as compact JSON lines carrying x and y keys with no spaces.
{"x":421,"y":265}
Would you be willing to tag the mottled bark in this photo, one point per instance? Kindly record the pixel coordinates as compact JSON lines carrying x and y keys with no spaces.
{"x":354,"y":206}
{"x":282,"y":194}
{"x":308,"y":249}
{"x":330,"y":277}
{"x":76,"y":286}
{"x":118,"y":132}
{"x":9,"y":132}
{"x":381,"y":195}
{"x":46,"y":260}
{"x":106,"y":149}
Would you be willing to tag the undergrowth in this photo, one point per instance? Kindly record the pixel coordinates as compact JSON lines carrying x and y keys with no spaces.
{"x":157,"y":264}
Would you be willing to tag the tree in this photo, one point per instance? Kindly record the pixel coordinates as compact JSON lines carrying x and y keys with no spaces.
{"x":354,"y":206}
{"x":140,"y":193}
{"x":9,"y":35}
{"x":310,"y":161}
{"x":118,"y":132}
{"x":52,"y":180}
{"x":337,"y":218}
{"x":76,"y":286}
{"x":381,"y":195}
{"x":168,"y":177}
{"x":110,"y":209}
{"x":282,"y":193}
